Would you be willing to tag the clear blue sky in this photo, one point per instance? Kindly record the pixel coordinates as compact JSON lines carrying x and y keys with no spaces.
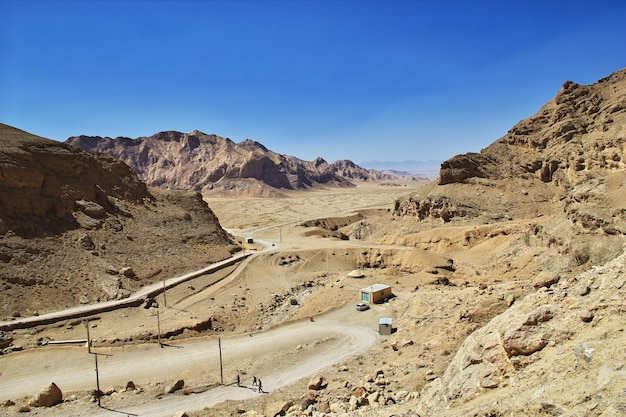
{"x":360,"y":80}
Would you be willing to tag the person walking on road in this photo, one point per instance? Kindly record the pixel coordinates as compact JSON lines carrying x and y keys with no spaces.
{"x":254,"y":381}
{"x":260,"y":385}
{"x":238,"y":380}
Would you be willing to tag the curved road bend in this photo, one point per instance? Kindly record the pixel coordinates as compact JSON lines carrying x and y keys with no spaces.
{"x":332,"y":338}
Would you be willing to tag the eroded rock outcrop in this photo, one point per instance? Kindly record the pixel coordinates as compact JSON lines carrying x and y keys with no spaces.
{"x":565,"y":151}
{"x":43,"y":182}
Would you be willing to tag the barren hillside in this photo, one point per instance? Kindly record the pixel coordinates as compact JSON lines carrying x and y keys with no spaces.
{"x":567,"y":161}
{"x":217,"y":166}
{"x":77,"y":228}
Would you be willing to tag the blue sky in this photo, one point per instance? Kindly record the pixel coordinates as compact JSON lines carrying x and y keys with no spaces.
{"x":360,"y":80}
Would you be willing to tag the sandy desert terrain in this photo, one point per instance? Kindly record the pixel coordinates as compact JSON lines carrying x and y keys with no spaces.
{"x":303,"y":273}
{"x":297,"y":265}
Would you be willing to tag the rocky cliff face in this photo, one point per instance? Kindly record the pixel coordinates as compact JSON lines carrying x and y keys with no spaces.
{"x":558,"y":177}
{"x":214,"y":165}
{"x":580,"y":130}
{"x":43,"y":181}
{"x":567,"y":152}
{"x":73,"y":224}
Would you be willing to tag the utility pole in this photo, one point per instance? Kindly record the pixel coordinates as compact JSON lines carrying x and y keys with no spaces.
{"x":219,"y":345}
{"x":159,"y":328}
{"x":88,"y":338}
{"x":95,"y":355}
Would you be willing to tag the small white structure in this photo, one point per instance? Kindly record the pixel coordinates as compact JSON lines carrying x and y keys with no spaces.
{"x":384,"y":326}
{"x":356,"y":274}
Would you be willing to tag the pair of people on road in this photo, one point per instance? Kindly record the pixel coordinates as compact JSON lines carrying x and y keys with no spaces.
{"x":257,"y":382}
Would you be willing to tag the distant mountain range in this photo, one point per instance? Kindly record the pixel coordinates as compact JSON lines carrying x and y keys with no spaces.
{"x":428,"y":168}
{"x":215,"y":166}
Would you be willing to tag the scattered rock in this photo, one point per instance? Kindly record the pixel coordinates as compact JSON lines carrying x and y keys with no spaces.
{"x":178,"y":385}
{"x":86,"y":242}
{"x":48,"y":396}
{"x":545,"y":279}
{"x":585,"y":352}
{"x":88,"y":222}
{"x":128,"y":272}
{"x":307,"y":400}
{"x":110,"y":269}
{"x":150,"y":302}
{"x":551,"y":408}
{"x":90,"y":208}
{"x":5,"y":340}
{"x":280,"y":408}
{"x":586,"y":316}
{"x":317,"y":382}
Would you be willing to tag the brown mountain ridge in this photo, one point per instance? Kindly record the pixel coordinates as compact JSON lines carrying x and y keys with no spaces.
{"x":216,"y":166}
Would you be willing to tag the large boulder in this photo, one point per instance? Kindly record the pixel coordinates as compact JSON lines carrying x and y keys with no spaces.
{"x":485,"y":359}
{"x":49,"y":396}
{"x":461,"y":167}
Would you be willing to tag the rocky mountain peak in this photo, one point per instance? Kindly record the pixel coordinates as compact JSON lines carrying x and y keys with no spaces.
{"x":578,"y":131}
{"x":317,"y":162}
{"x":249,"y":143}
{"x":216,"y":166}
{"x":569,"y":158}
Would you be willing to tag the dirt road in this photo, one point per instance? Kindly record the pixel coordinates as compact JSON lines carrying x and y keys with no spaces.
{"x":303,"y":347}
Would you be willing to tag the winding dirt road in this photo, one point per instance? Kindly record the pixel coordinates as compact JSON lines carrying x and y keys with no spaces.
{"x":303,"y":347}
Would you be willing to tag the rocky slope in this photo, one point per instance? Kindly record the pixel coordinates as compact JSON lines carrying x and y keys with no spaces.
{"x":567,"y":159}
{"x":558,"y":351}
{"x":556,"y":181}
{"x":85,"y":228}
{"x":218,"y":166}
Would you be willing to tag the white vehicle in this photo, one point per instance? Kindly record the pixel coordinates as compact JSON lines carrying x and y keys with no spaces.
{"x":362,"y":307}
